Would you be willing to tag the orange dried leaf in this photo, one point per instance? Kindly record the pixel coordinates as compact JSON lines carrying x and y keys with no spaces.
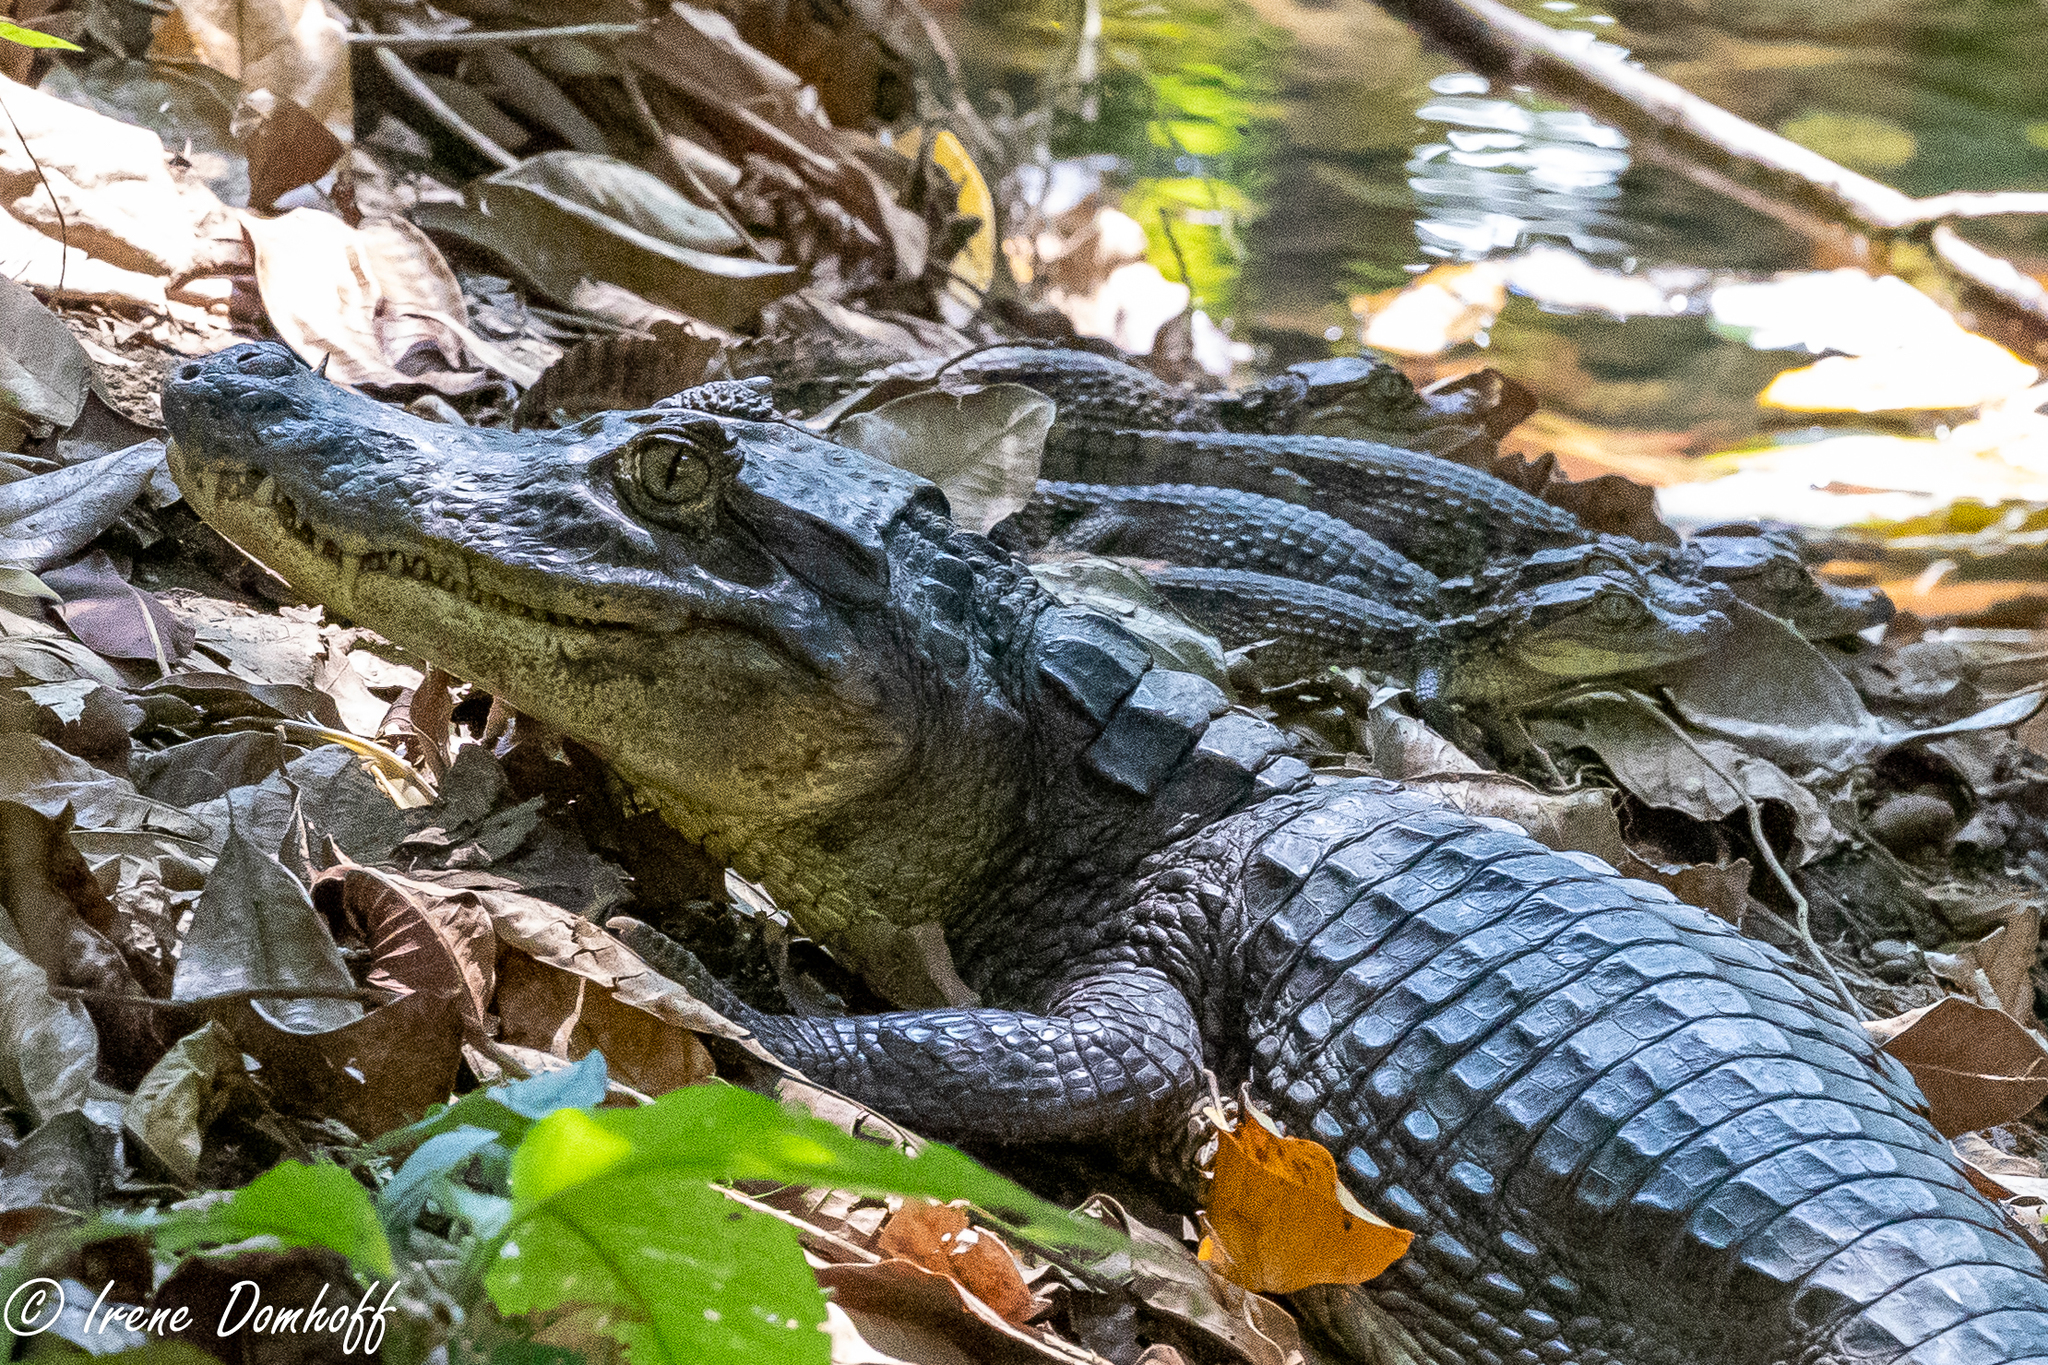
{"x":1281,"y":1220}
{"x":939,"y":1237}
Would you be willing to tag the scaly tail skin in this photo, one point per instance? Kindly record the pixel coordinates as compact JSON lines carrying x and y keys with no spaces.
{"x":1620,"y":1130}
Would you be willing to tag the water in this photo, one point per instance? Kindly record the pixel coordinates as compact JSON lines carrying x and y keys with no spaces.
{"x":1315,"y":154}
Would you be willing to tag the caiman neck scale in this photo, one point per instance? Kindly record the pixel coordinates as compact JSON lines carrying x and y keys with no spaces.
{"x":1623,"y":1133}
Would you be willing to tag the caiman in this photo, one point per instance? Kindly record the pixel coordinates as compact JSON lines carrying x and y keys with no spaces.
{"x":1621,"y":1131}
{"x":1294,"y":438}
{"x":1505,"y":656}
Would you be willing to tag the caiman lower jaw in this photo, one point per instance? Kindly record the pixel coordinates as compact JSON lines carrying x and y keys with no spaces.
{"x":246,"y":505}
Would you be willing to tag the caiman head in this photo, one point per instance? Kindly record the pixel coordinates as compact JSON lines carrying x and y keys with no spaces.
{"x":1765,"y":569}
{"x":1597,"y":625}
{"x":1343,"y":396}
{"x":782,"y":643}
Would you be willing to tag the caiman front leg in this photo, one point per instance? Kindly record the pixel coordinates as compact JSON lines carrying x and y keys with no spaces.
{"x":1115,"y":1055}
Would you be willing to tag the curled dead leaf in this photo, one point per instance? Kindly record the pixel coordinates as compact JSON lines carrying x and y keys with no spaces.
{"x":1282,"y":1219}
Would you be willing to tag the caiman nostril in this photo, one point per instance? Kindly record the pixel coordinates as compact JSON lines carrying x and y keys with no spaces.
{"x":189,"y":370}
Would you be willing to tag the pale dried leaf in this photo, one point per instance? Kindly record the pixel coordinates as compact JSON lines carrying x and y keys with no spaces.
{"x":293,"y":47}
{"x":48,"y":1047}
{"x":981,"y":444}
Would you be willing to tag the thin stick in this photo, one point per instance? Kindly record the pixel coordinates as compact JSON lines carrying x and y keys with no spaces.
{"x":63,"y":230}
{"x":408,"y":81}
{"x":652,"y":126}
{"x":503,"y":37}
{"x":1803,"y":923}
{"x":254,"y":993}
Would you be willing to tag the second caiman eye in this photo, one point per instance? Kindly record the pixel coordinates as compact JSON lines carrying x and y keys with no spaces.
{"x":1782,"y":576}
{"x":1617,"y":607}
{"x":675,"y":473}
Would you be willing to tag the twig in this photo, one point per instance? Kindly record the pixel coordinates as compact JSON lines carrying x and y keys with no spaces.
{"x":93,"y":997}
{"x":63,"y":230}
{"x":1180,"y":261}
{"x":504,"y":37}
{"x":1702,"y":135}
{"x":821,"y":1240}
{"x":1802,"y":924}
{"x":408,"y":81}
{"x":652,"y":126}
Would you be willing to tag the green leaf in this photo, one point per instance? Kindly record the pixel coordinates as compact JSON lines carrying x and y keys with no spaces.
{"x":510,"y":1109}
{"x":612,"y":1210}
{"x":28,"y":37}
{"x":299,"y":1205}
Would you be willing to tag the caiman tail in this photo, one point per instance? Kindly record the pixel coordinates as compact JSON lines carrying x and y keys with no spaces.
{"x":1620,"y":1130}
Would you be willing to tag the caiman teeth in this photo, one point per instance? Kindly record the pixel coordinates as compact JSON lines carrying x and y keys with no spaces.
{"x":259,"y":487}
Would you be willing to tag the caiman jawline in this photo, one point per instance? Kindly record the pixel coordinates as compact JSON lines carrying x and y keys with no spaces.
{"x":254,"y":487}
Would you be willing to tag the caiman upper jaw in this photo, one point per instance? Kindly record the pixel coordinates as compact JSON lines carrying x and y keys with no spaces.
{"x":695,"y":595}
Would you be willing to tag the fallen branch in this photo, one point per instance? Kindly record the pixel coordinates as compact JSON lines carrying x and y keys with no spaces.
{"x":486,"y":37}
{"x":407,"y":80}
{"x":1709,"y":144}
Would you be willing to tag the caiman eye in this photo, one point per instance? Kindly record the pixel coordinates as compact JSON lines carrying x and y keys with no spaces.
{"x":266,"y":361}
{"x":675,"y":473}
{"x":1617,"y":607}
{"x":1782,"y":576}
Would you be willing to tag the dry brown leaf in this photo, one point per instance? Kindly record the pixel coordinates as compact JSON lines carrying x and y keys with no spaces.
{"x":939,"y":1237}
{"x":374,"y":1074}
{"x":1283,"y":1220}
{"x":295,"y":48}
{"x":286,"y":146}
{"x":1407,"y":750}
{"x":2000,"y":1175}
{"x":565,"y":986}
{"x":1977,"y":1067}
{"x":907,"y":1292}
{"x":373,"y":302}
{"x":423,"y":937}
{"x":2004,"y":959}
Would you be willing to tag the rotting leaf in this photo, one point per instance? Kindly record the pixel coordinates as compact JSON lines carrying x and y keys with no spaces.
{"x":255,"y":927}
{"x":1977,"y":1066}
{"x":372,"y":303}
{"x":2004,"y":958}
{"x":1660,"y":769}
{"x":981,"y":444}
{"x":44,"y":373}
{"x":1118,"y":591}
{"x":296,"y":48}
{"x":1188,"y":1299}
{"x":46,"y":518}
{"x":1284,"y":1220}
{"x":624,"y":193}
{"x":183,"y":1093}
{"x":48,"y":1047}
{"x":1408,"y":751}
{"x":114,"y":618}
{"x":554,"y":244}
{"x":422,"y":937}
{"x":373,"y":1074}
{"x":940,"y":1238}
{"x":931,"y":1301}
{"x":38,"y":774}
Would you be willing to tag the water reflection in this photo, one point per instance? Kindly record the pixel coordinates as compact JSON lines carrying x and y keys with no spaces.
{"x":1506,"y":173}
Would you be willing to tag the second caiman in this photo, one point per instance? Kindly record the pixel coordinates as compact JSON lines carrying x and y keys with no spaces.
{"x":1621,"y":1131}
